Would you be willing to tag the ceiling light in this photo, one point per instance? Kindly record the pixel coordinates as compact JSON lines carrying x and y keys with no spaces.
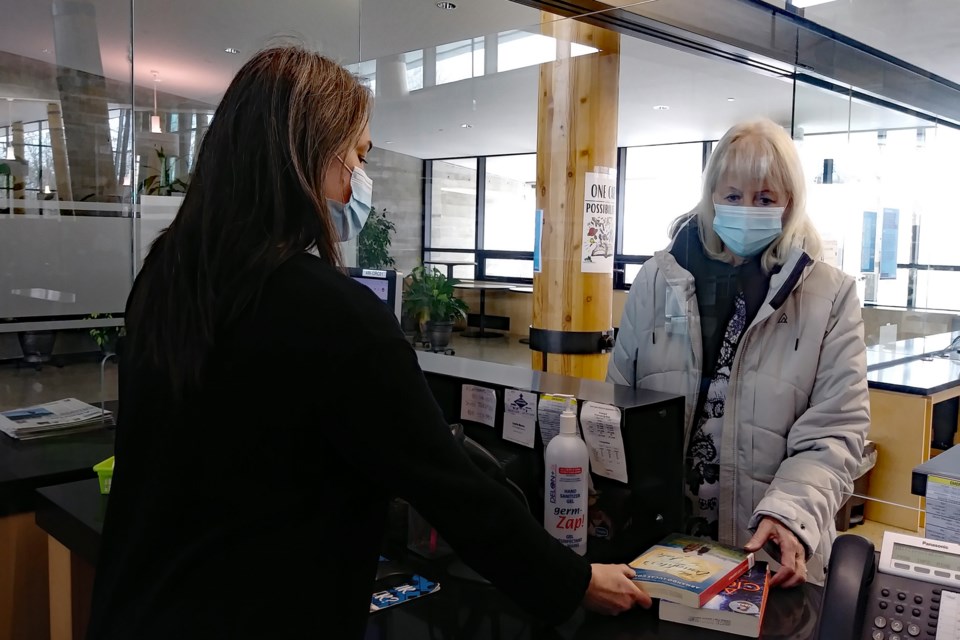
{"x":803,"y":4}
{"x":466,"y":126}
{"x":232,"y":50}
{"x":661,"y":107}
{"x":10,"y":154}
{"x":155,"y":118}
{"x":388,"y":142}
{"x":731,"y":99}
{"x":446,"y":5}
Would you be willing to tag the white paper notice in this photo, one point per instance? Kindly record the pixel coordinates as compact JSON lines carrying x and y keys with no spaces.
{"x":548,"y":413}
{"x":601,"y":431}
{"x":943,"y":509}
{"x":478,"y":404}
{"x":949,"y":626}
{"x":599,"y":229}
{"x":520,"y":416}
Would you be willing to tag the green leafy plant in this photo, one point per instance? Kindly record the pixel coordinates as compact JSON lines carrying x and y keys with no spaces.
{"x":373,"y":248}
{"x":105,"y":337}
{"x":162,"y":183}
{"x":429,"y":297}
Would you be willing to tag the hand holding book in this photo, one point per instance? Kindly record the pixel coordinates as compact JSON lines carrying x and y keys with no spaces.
{"x":612,"y":590}
{"x":793,"y":564}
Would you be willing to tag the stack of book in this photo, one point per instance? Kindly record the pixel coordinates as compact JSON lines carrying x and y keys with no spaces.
{"x":53,"y":419}
{"x":705,"y":584}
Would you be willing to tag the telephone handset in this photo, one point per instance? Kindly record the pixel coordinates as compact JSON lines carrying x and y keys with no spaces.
{"x":913,"y":594}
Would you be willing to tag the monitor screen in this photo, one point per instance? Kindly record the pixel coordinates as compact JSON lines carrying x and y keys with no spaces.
{"x":378,"y":286}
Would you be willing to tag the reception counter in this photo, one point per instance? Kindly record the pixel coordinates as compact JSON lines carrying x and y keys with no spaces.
{"x":72,"y":515}
{"x":24,"y":467}
{"x":913,"y":386}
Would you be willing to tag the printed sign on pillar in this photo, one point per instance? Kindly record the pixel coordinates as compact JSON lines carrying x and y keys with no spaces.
{"x":599,"y":226}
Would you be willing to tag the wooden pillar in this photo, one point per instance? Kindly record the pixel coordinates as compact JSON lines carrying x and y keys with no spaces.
{"x":58,"y":146}
{"x":576,"y":170}
{"x":23,"y":579}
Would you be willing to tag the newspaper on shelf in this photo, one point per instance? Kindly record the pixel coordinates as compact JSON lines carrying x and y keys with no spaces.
{"x":53,"y":418}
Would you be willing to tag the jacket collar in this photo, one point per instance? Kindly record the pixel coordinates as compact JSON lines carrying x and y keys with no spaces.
{"x":782,"y":283}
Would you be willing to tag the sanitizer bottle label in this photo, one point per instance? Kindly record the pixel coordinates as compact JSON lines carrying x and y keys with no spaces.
{"x":566,"y":512}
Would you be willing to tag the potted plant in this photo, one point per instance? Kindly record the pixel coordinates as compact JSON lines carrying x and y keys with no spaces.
{"x":430,"y":299}
{"x":106,"y":337}
{"x":373,"y":246}
{"x":161,"y":182}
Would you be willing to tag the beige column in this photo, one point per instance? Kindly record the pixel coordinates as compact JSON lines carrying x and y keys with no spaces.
{"x":576,"y":150}
{"x":58,"y":146}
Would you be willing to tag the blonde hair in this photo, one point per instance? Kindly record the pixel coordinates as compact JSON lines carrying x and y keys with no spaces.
{"x":758,"y":150}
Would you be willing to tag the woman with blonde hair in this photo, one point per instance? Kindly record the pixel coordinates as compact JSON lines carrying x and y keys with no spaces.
{"x":270,"y":406}
{"x":766,"y":342}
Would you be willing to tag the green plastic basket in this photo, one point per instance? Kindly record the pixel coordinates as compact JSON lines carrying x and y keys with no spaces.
{"x":105,"y":474}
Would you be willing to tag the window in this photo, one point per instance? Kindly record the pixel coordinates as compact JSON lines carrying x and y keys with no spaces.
{"x":453,"y":204}
{"x":517,"y":49}
{"x":460,"y":60}
{"x":509,"y":203}
{"x":414,"y":68}
{"x":661,"y":183}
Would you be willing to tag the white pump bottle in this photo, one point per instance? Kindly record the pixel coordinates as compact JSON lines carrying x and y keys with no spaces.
{"x":566,"y":483}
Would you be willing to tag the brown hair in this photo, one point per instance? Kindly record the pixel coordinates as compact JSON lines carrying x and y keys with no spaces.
{"x":255,"y":200}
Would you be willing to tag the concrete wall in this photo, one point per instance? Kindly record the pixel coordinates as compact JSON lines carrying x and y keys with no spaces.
{"x":398,"y":188}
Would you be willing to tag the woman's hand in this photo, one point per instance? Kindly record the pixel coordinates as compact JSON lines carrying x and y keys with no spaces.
{"x":793,"y":564}
{"x":611,"y":590}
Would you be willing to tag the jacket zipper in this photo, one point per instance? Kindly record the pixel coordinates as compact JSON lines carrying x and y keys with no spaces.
{"x":779,"y":298}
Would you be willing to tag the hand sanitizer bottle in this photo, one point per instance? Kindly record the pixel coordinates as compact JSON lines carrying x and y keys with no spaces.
{"x":565,"y":483}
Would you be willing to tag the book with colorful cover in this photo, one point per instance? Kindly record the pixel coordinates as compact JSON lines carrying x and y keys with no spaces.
{"x":689,"y":570}
{"x":737,"y":609}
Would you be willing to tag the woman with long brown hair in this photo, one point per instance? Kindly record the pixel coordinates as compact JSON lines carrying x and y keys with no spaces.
{"x":270,"y":406}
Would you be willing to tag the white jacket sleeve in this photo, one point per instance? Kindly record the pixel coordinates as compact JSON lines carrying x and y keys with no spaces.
{"x":623,"y":363}
{"x":825,"y":445}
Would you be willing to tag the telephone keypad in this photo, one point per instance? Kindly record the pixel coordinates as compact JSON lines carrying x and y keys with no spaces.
{"x":898,"y":608}
{"x":896,"y":625}
{"x":880,"y":622}
{"x":913,"y":630}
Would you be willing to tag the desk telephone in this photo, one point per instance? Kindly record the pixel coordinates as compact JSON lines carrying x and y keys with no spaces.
{"x":910,"y":589}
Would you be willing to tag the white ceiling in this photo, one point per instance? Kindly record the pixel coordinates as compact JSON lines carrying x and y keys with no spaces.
{"x":925,"y":33}
{"x":185,"y":40}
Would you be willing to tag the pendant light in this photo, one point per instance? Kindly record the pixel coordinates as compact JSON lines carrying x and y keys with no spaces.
{"x":10,"y":154}
{"x":155,"y":118}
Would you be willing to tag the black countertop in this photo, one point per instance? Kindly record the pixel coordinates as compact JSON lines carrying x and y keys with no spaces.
{"x":25,"y":466}
{"x":73,"y":514}
{"x":945,"y":465}
{"x":918,"y":377}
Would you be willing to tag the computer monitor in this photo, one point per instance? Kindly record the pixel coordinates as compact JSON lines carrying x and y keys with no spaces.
{"x":385,"y":283}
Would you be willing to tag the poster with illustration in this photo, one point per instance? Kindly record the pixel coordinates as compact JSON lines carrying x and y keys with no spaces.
{"x":599,"y":227}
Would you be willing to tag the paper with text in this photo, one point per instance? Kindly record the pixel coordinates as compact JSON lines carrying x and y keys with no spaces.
{"x":943,"y":509}
{"x":548,"y":413}
{"x":478,"y":404}
{"x":520,"y":416}
{"x":601,"y":431}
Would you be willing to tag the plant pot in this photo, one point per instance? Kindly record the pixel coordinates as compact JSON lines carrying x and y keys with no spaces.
{"x":438,"y":335}
{"x":37,"y":346}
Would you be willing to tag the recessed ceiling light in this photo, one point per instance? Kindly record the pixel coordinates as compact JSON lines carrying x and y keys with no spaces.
{"x":661,"y":107}
{"x":388,"y":142}
{"x":466,"y":126}
{"x":446,"y":5}
{"x":232,"y":50}
{"x":731,"y":99}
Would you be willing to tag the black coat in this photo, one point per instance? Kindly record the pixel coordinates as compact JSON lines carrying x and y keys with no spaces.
{"x":257,"y":508}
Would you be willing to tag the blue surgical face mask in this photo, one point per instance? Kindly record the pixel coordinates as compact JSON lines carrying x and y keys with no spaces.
{"x":349,"y":218}
{"x":747,"y":231}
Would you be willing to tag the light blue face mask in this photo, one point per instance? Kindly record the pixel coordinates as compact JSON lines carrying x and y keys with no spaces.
{"x":349,"y":218}
{"x":747,"y":231}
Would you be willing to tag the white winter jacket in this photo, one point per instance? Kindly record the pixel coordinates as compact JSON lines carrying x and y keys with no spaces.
{"x":797,"y":408}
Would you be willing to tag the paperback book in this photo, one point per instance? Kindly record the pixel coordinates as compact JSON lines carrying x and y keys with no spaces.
{"x":738,"y":609}
{"x":689,"y":570}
